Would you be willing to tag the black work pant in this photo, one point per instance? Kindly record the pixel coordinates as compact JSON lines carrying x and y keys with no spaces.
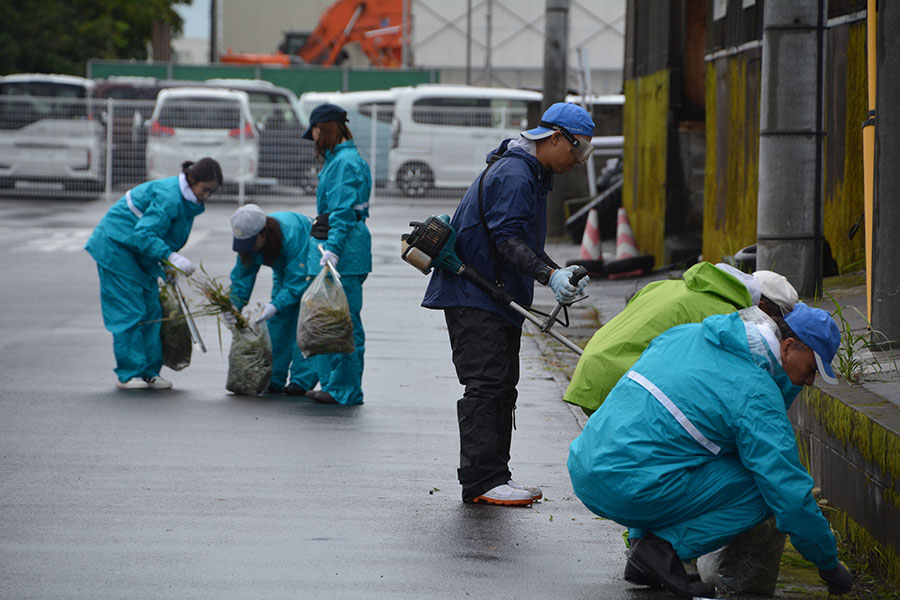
{"x":486,"y":355}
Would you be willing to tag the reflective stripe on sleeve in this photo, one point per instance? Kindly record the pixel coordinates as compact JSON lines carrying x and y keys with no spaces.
{"x":137,"y":212}
{"x":676,"y":412}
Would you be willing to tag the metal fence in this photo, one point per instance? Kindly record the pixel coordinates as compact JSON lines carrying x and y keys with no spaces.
{"x":64,"y":147}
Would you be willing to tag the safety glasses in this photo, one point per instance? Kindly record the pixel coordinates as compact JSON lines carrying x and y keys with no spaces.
{"x":581,"y":151}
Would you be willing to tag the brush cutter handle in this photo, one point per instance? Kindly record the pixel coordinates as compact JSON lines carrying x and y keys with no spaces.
{"x":577,"y":275}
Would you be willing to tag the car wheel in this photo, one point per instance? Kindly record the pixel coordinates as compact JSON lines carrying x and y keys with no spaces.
{"x":414,"y":179}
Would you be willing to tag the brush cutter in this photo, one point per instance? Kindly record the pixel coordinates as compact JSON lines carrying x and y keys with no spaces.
{"x":432,"y":244}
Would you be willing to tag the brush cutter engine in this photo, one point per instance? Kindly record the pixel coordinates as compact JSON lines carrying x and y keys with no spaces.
{"x":431,"y":244}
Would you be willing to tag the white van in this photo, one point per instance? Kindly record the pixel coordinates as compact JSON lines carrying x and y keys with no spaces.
{"x":48,"y":133}
{"x":360,"y":107}
{"x":441,"y":133}
{"x":189,"y":123}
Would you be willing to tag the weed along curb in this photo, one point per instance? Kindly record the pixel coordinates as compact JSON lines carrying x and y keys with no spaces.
{"x":851,"y":438}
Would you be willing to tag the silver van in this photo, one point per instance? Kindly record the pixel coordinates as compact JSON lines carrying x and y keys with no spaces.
{"x":48,"y":134}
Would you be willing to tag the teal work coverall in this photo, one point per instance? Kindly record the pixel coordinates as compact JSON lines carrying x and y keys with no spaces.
{"x":141,"y":229}
{"x":694,"y":445}
{"x":290,"y":278}
{"x":345,"y":183}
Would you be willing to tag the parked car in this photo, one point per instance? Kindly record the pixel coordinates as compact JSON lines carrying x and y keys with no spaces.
{"x":49,"y":135}
{"x":192,"y":122}
{"x":133,"y":99}
{"x":442,"y":133}
{"x":360,"y":107}
{"x":284,"y":156}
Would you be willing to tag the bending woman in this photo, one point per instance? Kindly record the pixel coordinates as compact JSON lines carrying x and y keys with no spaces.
{"x":146,"y":227}
{"x":280,"y":241}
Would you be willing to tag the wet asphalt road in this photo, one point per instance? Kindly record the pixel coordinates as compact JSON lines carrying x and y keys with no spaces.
{"x":196,"y":493}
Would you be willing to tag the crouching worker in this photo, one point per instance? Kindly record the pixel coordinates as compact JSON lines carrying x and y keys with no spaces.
{"x":704,"y":290}
{"x":279,"y":241}
{"x":693,"y":446}
{"x":145,"y":228}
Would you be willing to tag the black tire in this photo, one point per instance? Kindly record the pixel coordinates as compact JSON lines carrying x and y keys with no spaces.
{"x":595,"y":268}
{"x":414,"y":179}
{"x":643,"y":262}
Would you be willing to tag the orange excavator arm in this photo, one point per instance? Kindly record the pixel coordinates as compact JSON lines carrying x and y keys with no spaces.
{"x":376,"y":25}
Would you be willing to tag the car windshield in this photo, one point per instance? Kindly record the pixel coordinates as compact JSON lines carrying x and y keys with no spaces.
{"x":22,"y":103}
{"x":208,"y":113}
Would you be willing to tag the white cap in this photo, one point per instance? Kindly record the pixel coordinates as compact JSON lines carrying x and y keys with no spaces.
{"x":246,"y":222}
{"x":777,"y":288}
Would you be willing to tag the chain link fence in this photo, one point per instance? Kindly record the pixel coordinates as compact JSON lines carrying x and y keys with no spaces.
{"x":77,"y":147}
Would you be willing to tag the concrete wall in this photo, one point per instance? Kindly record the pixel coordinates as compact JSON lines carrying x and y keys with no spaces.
{"x":853,"y":451}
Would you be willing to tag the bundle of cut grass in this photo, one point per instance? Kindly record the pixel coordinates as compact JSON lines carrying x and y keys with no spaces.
{"x":218,"y":298}
{"x":250,"y":357}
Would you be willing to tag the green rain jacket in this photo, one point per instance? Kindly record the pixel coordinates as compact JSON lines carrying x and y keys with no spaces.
{"x":704,"y":290}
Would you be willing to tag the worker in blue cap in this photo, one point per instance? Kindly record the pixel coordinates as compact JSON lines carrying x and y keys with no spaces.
{"x":342,"y":239}
{"x":140,"y":233}
{"x":694,"y":446}
{"x":501,"y":224}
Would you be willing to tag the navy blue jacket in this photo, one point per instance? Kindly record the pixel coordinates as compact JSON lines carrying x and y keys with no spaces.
{"x":515,"y":206}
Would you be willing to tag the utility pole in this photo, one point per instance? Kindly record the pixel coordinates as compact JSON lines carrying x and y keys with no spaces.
{"x":556,"y":49}
{"x":789,"y":207}
{"x":886,"y":213}
{"x":213,"y":31}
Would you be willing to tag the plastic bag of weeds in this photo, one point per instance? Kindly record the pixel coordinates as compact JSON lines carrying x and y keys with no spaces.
{"x":174,"y":332}
{"x":249,"y":361}
{"x":324,"y":325}
{"x":748,"y":564}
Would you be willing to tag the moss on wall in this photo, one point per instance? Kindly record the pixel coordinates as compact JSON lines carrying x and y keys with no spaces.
{"x":646,"y":124}
{"x":732,"y":155}
{"x":877,"y":445}
{"x":843,"y":204}
{"x":857,"y":540}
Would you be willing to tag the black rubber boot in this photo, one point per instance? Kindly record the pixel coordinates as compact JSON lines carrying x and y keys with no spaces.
{"x":655,"y":559}
{"x":637,"y":577}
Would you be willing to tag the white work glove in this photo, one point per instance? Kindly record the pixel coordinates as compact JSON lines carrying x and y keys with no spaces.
{"x":328,"y":257}
{"x":230,"y":319}
{"x":564,"y":291}
{"x":268,"y":312}
{"x":181,"y":263}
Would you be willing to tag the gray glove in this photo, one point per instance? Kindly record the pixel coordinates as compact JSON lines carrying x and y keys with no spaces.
{"x":838,"y":579}
{"x":564,"y":291}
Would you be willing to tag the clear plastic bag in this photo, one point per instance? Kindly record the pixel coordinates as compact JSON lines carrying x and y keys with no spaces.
{"x":748,"y":564}
{"x":324,"y":325}
{"x":174,"y":332}
{"x":249,"y":361}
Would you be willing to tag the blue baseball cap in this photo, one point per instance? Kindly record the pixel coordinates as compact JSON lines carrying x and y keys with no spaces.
{"x":572,"y":117}
{"x":815,"y":328}
{"x":323,"y":113}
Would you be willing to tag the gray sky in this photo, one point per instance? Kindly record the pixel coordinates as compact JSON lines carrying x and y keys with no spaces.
{"x":196,"y":18}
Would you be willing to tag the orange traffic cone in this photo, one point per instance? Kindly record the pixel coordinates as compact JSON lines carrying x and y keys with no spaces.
{"x":590,"y":241}
{"x":626,"y":247}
